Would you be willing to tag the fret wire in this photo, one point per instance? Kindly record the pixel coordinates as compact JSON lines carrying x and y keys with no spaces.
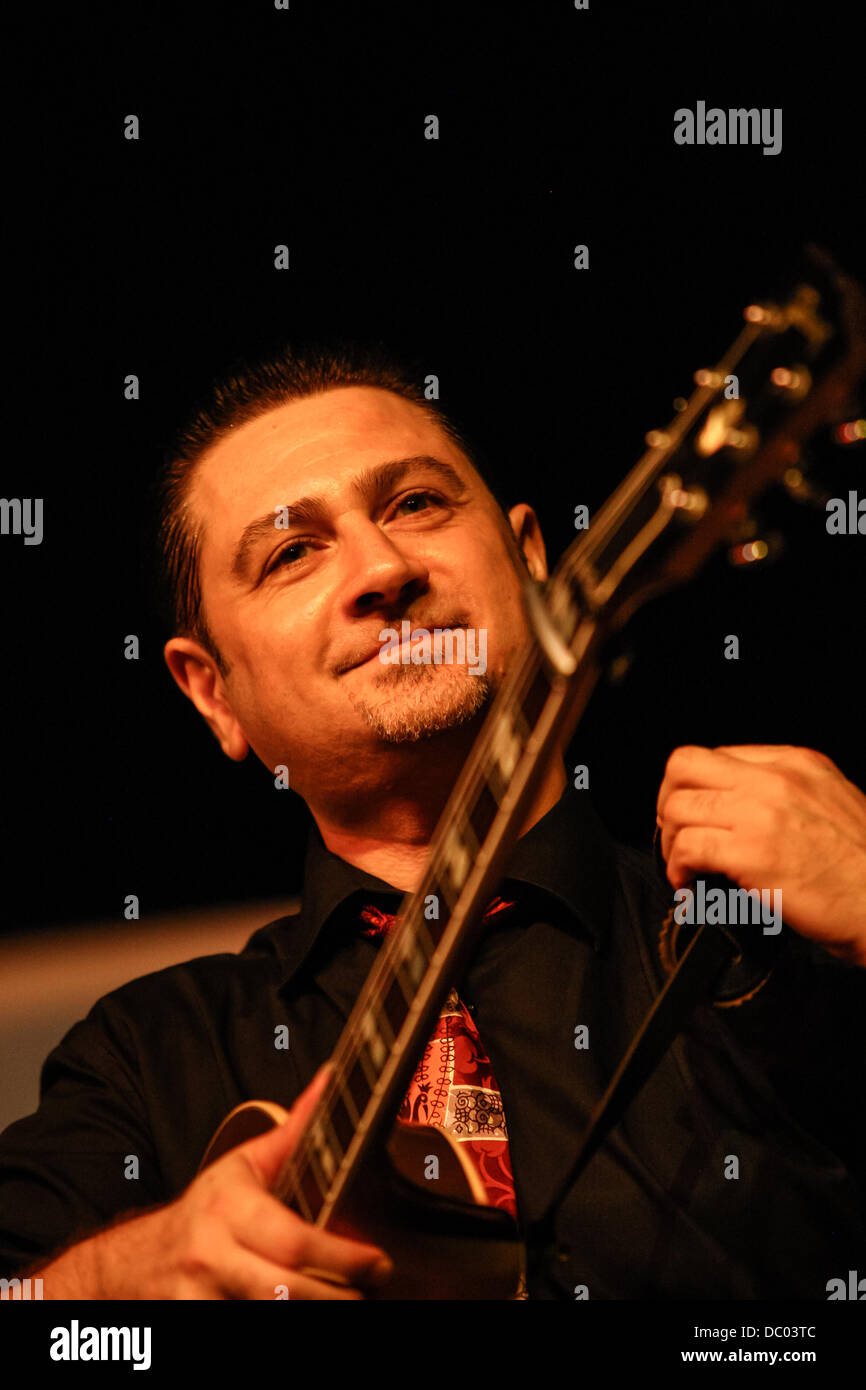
{"x":377,"y":1044}
{"x":407,"y":989}
{"x":495,"y":778}
{"x":342,"y":1123}
{"x":382,"y":1022}
{"x":367,"y":1066}
{"x":395,"y":997}
{"x":345,"y":1095}
{"x":536,"y":698}
{"x":296,"y":1195}
{"x":314,"y":1197}
{"x":418,"y":930}
{"x":357,"y":1073}
{"x":435,"y":927}
{"x":324,"y":1152}
{"x":484,"y":811}
{"x":451,"y":896}
{"x":317,"y":1171}
{"x":331,"y":1137}
{"x":411,"y":956}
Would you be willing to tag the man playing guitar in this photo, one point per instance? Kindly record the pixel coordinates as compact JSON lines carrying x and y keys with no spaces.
{"x":297,"y":529}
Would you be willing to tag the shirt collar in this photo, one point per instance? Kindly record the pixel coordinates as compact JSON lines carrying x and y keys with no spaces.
{"x":568,"y":856}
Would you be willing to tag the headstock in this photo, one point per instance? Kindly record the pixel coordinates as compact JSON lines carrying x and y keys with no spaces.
{"x":794,"y":367}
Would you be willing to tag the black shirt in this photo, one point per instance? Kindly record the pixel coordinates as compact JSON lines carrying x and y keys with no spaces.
{"x":739,"y":1171}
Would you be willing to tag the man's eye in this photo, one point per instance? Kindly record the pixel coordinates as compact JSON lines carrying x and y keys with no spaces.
{"x":421,"y":498}
{"x":288,"y":555}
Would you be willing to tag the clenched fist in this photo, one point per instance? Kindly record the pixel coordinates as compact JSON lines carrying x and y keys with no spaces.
{"x":772,"y":817}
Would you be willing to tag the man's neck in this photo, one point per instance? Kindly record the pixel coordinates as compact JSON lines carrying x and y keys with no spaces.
{"x":394,"y":842}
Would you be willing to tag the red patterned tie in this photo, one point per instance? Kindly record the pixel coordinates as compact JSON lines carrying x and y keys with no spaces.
{"x":454,"y":1085}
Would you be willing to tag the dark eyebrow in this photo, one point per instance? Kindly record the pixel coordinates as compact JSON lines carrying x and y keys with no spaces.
{"x":370,"y":486}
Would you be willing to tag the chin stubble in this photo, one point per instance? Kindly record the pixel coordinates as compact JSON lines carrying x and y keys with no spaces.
{"x":418,"y":706}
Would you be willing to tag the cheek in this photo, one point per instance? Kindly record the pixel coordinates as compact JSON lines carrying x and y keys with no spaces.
{"x":491,"y":583}
{"x":271,"y":676}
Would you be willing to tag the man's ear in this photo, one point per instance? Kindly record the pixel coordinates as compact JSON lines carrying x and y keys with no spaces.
{"x":197,"y":674}
{"x":530,"y":542}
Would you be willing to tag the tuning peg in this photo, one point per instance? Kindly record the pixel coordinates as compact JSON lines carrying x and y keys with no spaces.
{"x":761,"y":551}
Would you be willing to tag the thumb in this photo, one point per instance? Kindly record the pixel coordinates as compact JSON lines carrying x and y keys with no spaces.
{"x":267,"y":1153}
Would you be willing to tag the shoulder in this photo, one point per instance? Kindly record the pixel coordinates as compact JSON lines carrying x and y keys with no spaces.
{"x":189,"y":995}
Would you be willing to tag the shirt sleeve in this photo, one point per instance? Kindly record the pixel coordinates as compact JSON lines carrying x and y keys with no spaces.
{"x":83,"y":1157}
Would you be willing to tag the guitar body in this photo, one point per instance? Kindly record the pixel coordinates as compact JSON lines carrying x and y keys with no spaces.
{"x":443,"y":1237}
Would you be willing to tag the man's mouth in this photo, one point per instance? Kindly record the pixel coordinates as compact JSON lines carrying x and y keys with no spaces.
{"x":396,"y":647}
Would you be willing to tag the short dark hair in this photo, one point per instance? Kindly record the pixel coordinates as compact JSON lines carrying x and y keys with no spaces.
{"x":246,"y":391}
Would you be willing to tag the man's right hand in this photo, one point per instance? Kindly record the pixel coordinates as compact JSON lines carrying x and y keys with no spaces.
{"x":225,"y":1237}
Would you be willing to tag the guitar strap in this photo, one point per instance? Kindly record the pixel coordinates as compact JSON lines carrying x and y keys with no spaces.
{"x":704,"y":965}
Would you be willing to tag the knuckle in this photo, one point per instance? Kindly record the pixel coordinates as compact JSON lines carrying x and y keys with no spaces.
{"x":217,"y":1205}
{"x":297,"y":1242}
{"x":680,"y":757}
{"x":775,"y":820}
{"x":295,"y":1250}
{"x":196,"y":1258}
{"x":688,"y":843}
{"x":781,"y":782}
{"x":818,"y":760}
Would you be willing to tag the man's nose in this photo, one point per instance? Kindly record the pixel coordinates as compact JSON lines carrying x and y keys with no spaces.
{"x":380,"y":573}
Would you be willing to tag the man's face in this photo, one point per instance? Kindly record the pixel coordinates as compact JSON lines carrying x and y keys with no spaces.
{"x":387,"y":520}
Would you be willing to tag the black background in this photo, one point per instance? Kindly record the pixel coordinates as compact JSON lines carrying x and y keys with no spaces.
{"x":306,"y":127}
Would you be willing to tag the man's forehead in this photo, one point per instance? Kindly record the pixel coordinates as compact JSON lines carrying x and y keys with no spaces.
{"x":313,"y":441}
